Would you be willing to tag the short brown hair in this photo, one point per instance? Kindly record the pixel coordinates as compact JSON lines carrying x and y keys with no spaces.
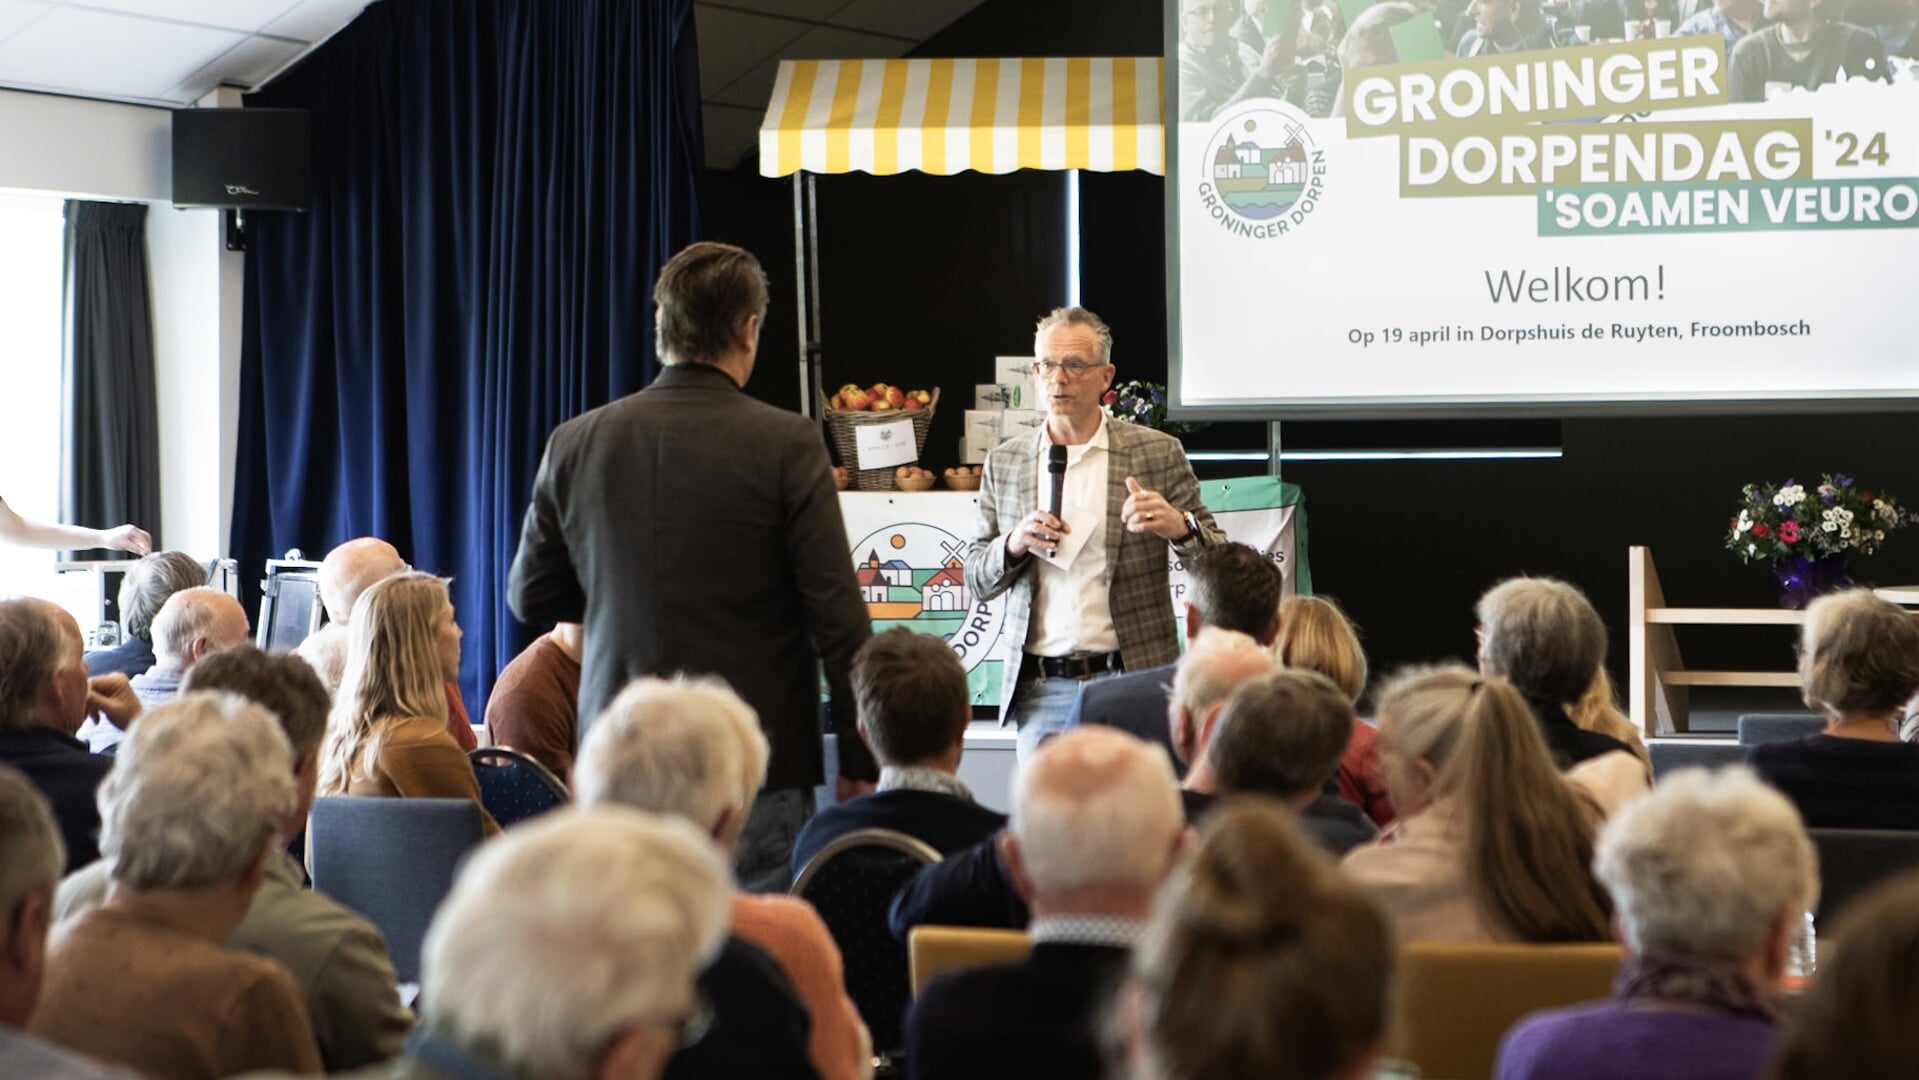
{"x":703,"y":295}
{"x":1281,"y":734}
{"x":31,"y":648}
{"x":283,"y":685}
{"x":912,"y":695}
{"x":1858,"y":653}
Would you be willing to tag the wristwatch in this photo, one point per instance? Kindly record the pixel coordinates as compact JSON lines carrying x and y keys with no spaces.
{"x":1192,"y":527}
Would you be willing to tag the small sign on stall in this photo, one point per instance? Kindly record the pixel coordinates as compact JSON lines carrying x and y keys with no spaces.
{"x":882,"y":446}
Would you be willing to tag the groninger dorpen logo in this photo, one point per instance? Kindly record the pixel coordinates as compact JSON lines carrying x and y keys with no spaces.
{"x":1263,"y":175}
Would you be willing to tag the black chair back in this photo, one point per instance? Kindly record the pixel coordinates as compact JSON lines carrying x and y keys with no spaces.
{"x":1756,"y":728}
{"x":851,"y":883}
{"x":393,"y":861}
{"x":515,"y":786}
{"x":1669,"y":755}
{"x":1852,"y":861}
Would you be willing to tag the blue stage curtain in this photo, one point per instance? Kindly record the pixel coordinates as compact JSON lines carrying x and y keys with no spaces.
{"x":496,"y":184}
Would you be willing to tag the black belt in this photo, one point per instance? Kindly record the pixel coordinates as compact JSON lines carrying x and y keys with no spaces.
{"x":1080,"y":666}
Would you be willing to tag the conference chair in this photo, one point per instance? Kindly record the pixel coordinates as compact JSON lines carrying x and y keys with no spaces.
{"x":1669,"y":755}
{"x":850,"y":883}
{"x":1457,"y":1001}
{"x":393,"y":861}
{"x":515,"y":786}
{"x":1852,"y":861}
{"x":931,"y":951}
{"x":1756,"y":728}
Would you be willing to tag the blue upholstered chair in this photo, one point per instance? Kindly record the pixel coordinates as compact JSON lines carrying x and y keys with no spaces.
{"x":393,"y":861}
{"x":514,"y":786}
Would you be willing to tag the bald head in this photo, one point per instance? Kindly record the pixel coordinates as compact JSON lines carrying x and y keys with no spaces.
{"x":353,"y":568}
{"x":1217,"y":663}
{"x":195,"y":622}
{"x":1095,"y":809}
{"x":43,"y":673}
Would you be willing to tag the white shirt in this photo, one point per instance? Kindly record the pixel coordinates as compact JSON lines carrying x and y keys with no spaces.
{"x":1071,"y":612}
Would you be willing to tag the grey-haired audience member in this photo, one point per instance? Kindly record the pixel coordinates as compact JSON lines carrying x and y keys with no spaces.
{"x":1543,"y":636}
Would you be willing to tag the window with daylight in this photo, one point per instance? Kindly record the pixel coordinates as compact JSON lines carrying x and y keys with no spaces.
{"x":31,"y":275}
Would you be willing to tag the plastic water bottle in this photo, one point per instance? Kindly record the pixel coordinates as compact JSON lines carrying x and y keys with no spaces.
{"x":1802,"y":959}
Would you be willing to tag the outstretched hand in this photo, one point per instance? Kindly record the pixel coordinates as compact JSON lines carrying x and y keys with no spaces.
{"x":129,"y":538}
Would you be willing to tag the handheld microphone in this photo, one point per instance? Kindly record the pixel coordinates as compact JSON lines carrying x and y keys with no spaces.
{"x":1056,"y":473}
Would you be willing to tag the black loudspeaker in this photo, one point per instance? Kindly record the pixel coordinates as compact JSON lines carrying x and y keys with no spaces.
{"x":242,"y":159}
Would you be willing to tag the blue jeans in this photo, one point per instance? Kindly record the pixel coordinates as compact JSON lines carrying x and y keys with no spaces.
{"x":1040,"y":708}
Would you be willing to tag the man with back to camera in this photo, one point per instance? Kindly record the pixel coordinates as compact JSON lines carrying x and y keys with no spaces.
{"x":1087,"y":592}
{"x":692,"y":529}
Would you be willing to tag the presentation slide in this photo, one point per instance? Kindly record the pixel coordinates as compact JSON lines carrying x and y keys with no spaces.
{"x":1383,"y":208}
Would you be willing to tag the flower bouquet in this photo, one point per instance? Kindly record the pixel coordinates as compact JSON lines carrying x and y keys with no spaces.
{"x":1143,"y":403}
{"x":1807,"y":535}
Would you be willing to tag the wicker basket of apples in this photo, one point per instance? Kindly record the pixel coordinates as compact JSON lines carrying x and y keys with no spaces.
{"x":854,"y":406}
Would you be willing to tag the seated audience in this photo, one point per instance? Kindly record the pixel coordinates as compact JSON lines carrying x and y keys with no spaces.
{"x":1281,"y":735}
{"x":1855,"y":1019}
{"x":387,"y":735}
{"x":1315,"y":635}
{"x":345,"y":575}
{"x":694,"y":750}
{"x":1492,"y":844}
{"x":1806,"y":47}
{"x":1096,"y":828}
{"x":190,"y":815}
{"x":1230,"y":587}
{"x":567,"y":951}
{"x":145,"y":587}
{"x":44,"y":697}
{"x":971,"y":887}
{"x":1859,"y":664}
{"x":1261,"y":960}
{"x":190,"y":624}
{"x":535,"y":706}
{"x":1544,"y":638}
{"x":337,"y":957}
{"x":1710,"y":874}
{"x":30,"y":861}
{"x":1732,"y":19}
{"x":913,"y":712}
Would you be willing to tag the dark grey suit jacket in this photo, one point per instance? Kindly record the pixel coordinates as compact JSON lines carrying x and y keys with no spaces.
{"x":1133,"y":702}
{"x":694,"y":529}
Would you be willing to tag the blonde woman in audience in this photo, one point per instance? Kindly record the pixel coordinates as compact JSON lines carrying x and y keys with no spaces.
{"x":1615,"y":779}
{"x":1859,"y":664}
{"x":1314,"y":634}
{"x":1856,"y":1019}
{"x":1492,"y":844}
{"x":1260,"y":960}
{"x":190,"y":815}
{"x":387,"y":733}
{"x":1710,"y":874}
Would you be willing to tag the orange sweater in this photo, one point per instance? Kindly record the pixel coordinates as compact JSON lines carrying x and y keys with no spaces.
{"x":419,"y":760}
{"x":792,"y":934}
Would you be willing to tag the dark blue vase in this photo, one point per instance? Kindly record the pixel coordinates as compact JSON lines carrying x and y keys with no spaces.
{"x":1801,"y":580}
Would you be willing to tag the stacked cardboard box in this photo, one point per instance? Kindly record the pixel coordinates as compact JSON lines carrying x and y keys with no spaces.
{"x":1001,"y":409}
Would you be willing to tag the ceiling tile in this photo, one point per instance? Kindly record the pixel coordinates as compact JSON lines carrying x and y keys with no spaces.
{"x":734,"y":42}
{"x":99,"y":54}
{"x":815,"y":10}
{"x":919,"y":20}
{"x":730,"y":134}
{"x":316,"y":20}
{"x":247,"y":15}
{"x":15,"y":14}
{"x":247,"y":64}
{"x":755,"y":88}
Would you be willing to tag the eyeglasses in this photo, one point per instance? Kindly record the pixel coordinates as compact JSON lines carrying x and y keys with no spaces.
{"x":692,"y":1027}
{"x":1073,"y":368}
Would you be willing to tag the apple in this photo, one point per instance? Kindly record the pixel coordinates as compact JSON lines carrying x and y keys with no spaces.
{"x":895,"y":397}
{"x":912,"y":403}
{"x":920,"y":397}
{"x":853,"y":399}
{"x":847,"y":389}
{"x":882,"y":405}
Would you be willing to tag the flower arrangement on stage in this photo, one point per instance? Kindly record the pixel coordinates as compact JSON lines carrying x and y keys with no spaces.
{"x":1143,"y":403}
{"x":1807,"y":535}
{"x":1835,"y":518}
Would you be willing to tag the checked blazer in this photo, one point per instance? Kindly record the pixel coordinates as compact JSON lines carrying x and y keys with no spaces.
{"x":1136,"y":563}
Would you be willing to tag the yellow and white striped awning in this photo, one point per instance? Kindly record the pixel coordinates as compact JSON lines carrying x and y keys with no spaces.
{"x":948,"y":116}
